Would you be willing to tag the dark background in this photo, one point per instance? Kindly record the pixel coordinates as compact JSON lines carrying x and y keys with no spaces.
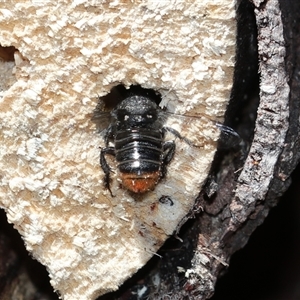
{"x":268,"y":268}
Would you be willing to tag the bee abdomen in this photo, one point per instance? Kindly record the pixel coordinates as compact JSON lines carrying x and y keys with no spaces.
{"x":137,"y":152}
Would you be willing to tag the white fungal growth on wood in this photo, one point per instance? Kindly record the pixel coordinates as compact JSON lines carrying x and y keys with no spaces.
{"x":51,"y":182}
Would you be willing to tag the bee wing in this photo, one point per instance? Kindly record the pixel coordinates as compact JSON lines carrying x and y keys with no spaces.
{"x":101,"y":118}
{"x":199,"y":130}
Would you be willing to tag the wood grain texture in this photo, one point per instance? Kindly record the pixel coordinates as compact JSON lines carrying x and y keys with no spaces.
{"x":51,"y":183}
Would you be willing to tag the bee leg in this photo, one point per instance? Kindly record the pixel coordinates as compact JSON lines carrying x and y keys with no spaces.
{"x":105,"y":167}
{"x":109,"y":134}
{"x":169,"y":151}
{"x":178,"y":135}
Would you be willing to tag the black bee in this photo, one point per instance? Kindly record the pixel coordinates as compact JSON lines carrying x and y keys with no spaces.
{"x":136,"y":128}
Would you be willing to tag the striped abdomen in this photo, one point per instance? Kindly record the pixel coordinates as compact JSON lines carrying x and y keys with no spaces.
{"x":139,"y":155}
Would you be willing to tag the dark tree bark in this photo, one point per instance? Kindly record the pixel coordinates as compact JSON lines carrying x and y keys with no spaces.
{"x":274,"y":150}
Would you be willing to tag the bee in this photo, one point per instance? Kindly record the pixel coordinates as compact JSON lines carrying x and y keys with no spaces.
{"x":136,"y":128}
